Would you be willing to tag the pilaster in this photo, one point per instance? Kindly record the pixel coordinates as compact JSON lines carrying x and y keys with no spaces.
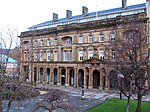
{"x":90,"y":78}
{"x":58,"y":76}
{"x":75,"y":77}
{"x":52,"y":76}
{"x":66,"y":83}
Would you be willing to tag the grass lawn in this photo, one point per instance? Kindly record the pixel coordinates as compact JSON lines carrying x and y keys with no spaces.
{"x":117,"y":105}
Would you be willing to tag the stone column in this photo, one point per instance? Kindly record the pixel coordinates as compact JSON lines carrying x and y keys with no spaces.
{"x":60,"y":71}
{"x":75,"y":77}
{"x":107,"y":82}
{"x":90,"y":79}
{"x":66,"y":80}
{"x":68,"y":76}
{"x":37,"y":77}
{"x":84,"y":77}
{"x":101,"y":82}
{"x":30,"y":74}
{"x":44,"y":75}
{"x":58,"y":76}
{"x":38,"y":74}
{"x":52,"y":76}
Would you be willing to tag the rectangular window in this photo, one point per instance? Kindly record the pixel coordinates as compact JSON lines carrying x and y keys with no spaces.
{"x":41,"y":43}
{"x":48,"y":42}
{"x":35,"y":56}
{"x":101,"y":37}
{"x":112,"y":37}
{"x":113,"y":55}
{"x":55,"y":42}
{"x":80,"y":39}
{"x":90,"y":54}
{"x":80,"y":55}
{"x":48,"y":55}
{"x":55,"y":56}
{"x":41,"y":56}
{"x":101,"y":54}
{"x":90,"y":39}
{"x":35,"y":43}
{"x":66,"y":55}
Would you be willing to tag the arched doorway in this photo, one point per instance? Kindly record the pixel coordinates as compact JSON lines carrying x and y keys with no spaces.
{"x":113,"y":79}
{"x":80,"y":78}
{"x":35,"y":74}
{"x":96,"y":79}
{"x":55,"y":76}
{"x":63,"y":76}
{"x":41,"y":75}
{"x":48,"y":75}
{"x":71,"y":80}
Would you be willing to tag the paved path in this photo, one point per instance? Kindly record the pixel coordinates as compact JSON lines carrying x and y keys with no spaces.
{"x":93,"y":97}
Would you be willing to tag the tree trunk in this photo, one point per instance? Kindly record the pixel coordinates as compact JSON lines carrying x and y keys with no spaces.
{"x":138,"y":109}
{"x":128,"y":104}
{"x":9,"y":104}
{"x":1,"y":92}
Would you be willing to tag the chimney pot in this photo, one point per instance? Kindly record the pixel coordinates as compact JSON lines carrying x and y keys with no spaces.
{"x":124,"y":3}
{"x":55,"y":17}
{"x":84,"y":10}
{"x":68,"y":14}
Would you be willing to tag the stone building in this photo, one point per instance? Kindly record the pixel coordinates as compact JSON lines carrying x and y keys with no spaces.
{"x":76,"y":50}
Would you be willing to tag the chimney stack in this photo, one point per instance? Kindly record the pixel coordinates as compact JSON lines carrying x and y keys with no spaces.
{"x":124,"y":3}
{"x":55,"y":17}
{"x":84,"y":10}
{"x":68,"y":14}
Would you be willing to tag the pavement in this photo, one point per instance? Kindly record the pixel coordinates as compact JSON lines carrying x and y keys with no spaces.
{"x":93,"y":97}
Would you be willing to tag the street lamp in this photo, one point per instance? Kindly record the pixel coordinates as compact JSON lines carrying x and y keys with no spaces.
{"x":83,"y":97}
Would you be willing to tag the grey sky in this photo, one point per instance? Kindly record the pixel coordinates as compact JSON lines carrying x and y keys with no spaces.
{"x":22,"y":14}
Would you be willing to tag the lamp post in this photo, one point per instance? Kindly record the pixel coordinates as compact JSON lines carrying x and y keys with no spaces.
{"x":83,"y":97}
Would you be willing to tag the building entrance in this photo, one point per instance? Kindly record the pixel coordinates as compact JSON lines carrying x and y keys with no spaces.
{"x":96,"y":79}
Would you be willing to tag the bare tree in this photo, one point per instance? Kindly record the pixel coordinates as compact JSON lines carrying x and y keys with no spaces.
{"x":55,"y":99}
{"x":18,"y":88}
{"x":132,"y":60}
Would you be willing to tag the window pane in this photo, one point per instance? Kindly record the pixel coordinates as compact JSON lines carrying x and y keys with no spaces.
{"x":80,"y":39}
{"x":90,"y":54}
{"x":90,"y":39}
{"x":55,"y":56}
{"x":48,"y":56}
{"x":80,"y":55}
{"x":101,"y":54}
